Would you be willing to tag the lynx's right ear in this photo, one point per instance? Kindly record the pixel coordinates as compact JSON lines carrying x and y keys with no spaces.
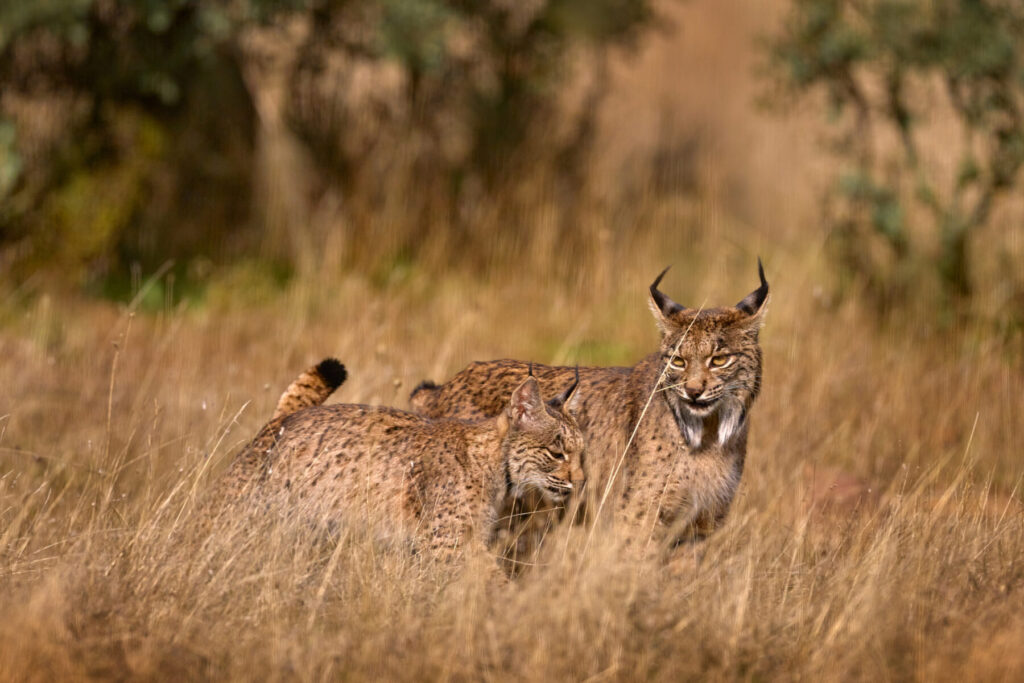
{"x":568,"y":401}
{"x":526,"y":407}
{"x":661,"y":306}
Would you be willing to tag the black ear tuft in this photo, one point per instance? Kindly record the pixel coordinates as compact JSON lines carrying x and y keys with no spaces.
{"x":558,"y":401}
{"x":751,"y":303}
{"x":657,"y":280}
{"x":332,"y":372}
{"x":664,"y":304}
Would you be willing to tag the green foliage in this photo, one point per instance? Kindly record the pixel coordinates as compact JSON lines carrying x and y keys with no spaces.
{"x":10,"y":160}
{"x":479,"y":91}
{"x":412,"y":32}
{"x":128,"y":50}
{"x":477,"y":101}
{"x":884,"y":64}
{"x":145,"y":121}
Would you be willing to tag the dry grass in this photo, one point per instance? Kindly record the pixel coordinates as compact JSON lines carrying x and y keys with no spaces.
{"x":909,"y":565}
{"x":878,"y":533}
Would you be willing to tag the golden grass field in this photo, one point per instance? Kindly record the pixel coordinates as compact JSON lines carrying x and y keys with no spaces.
{"x":878,"y":533}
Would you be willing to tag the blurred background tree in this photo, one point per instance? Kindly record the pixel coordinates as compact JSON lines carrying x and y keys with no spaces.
{"x":926,"y":96}
{"x":130,"y":130}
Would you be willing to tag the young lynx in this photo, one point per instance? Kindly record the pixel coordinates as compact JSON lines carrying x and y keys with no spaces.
{"x":442,"y":479}
{"x":666,"y":438}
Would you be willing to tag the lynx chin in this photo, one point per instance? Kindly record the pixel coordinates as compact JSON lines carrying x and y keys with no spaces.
{"x":666,"y":438}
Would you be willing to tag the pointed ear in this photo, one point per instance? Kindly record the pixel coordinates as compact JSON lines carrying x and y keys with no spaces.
{"x":662,"y":306}
{"x":567,"y":401}
{"x":755,"y":303}
{"x":574,"y":403}
{"x":526,"y":405}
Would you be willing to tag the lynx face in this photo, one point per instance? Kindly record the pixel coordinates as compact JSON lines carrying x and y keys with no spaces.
{"x":707,"y":366}
{"x":712,"y":360}
{"x":544,"y":444}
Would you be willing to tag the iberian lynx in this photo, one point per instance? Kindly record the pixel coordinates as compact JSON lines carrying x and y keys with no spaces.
{"x":666,"y":438}
{"x":442,"y":480}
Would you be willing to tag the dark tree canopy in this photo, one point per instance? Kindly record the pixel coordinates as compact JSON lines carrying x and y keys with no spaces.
{"x":150,"y":120}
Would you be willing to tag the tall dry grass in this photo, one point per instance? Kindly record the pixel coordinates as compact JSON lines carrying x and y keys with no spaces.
{"x":878,"y":532}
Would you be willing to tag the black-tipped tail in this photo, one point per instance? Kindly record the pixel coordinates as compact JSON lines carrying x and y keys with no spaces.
{"x":311,"y":388}
{"x":332,"y":372}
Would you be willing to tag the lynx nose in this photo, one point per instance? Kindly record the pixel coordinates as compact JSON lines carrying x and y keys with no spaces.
{"x":577,"y":477}
{"x":693,"y":392}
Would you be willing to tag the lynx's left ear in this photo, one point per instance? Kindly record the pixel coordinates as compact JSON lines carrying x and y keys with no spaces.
{"x":755,"y":303}
{"x":526,"y":407}
{"x":661,"y":306}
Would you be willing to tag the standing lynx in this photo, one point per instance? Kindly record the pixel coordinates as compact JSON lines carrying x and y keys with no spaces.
{"x":666,"y":438}
{"x":442,"y":479}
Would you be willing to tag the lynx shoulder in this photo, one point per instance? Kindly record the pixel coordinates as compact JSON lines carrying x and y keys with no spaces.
{"x":440,"y":480}
{"x":666,"y":438}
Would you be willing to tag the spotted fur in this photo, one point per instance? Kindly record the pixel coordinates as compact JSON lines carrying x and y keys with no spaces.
{"x":666,"y":438}
{"x":440,"y":480}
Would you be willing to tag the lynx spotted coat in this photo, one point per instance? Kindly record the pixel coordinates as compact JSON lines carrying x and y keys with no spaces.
{"x":441,"y":480}
{"x":666,"y":438}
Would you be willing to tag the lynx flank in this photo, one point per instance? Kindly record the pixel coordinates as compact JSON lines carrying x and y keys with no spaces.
{"x":666,"y":438}
{"x":443,"y":480}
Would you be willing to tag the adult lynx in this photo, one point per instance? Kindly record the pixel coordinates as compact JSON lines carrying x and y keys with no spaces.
{"x":443,"y":480}
{"x":666,"y":438}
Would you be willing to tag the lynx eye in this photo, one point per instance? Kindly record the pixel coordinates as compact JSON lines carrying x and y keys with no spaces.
{"x":720,"y":361}
{"x":678,"y":362}
{"x":557,"y":455}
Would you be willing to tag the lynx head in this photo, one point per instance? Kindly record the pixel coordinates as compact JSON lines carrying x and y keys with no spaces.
{"x":712,"y":360}
{"x":543,"y":444}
